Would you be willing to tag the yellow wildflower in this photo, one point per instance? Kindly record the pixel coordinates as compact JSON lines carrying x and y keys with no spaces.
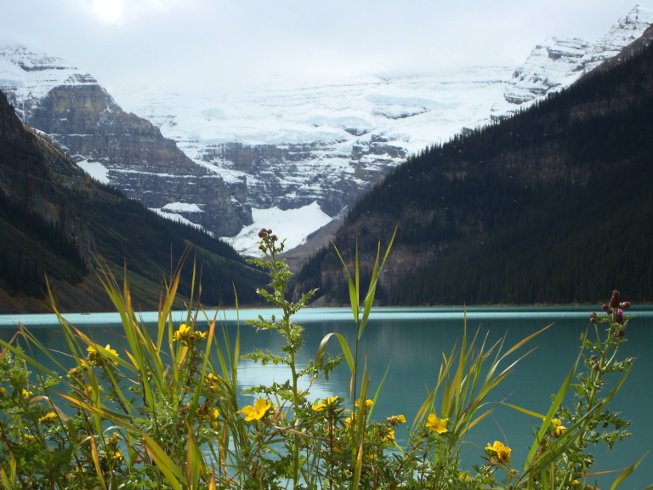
{"x":94,"y":355}
{"x":389,"y":436}
{"x":437,"y":425}
{"x":318,"y":406}
{"x":116,"y":456}
{"x":321,"y":405}
{"x":256,"y":411}
{"x":29,"y":437}
{"x":396,"y":419}
{"x":185,"y":333}
{"x":182,"y":332}
{"x":48,"y":418}
{"x":25,"y":394}
{"x":213,"y":415}
{"x":2,"y":391}
{"x":558,"y":428}
{"x":368,"y":404}
{"x":498,"y":451}
{"x":331,"y":400}
{"x":348,"y":421}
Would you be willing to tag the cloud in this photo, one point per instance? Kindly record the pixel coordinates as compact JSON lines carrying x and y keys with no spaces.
{"x":226,"y":44}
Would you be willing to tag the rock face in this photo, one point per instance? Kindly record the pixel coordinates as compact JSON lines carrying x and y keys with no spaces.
{"x":558,"y":63}
{"x":291,"y":176}
{"x":78,"y":114}
{"x":289,"y":147}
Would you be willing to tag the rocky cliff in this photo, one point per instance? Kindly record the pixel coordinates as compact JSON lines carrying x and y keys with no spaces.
{"x":56,"y":221}
{"x":130,"y":152}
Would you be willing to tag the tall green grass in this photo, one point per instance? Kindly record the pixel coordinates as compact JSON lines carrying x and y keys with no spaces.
{"x":164,"y":410}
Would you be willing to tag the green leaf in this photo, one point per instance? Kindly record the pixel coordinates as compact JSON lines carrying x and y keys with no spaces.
{"x":343,"y":345}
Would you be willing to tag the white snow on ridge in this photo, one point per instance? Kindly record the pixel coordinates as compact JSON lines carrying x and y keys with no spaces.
{"x":423,"y":109}
{"x":178,"y":218}
{"x":95,"y":169}
{"x":32,"y":75}
{"x":293,"y":225}
{"x":183,"y":207}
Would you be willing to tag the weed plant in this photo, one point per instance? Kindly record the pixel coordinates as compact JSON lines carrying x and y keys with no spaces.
{"x":164,"y":412}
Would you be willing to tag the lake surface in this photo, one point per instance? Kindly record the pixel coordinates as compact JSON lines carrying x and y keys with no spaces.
{"x":408,"y":342}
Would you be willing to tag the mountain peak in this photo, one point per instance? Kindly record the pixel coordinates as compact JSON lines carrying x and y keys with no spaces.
{"x":558,"y":62}
{"x":32,"y":74}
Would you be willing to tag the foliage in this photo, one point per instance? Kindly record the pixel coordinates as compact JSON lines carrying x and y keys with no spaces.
{"x":165,"y":410}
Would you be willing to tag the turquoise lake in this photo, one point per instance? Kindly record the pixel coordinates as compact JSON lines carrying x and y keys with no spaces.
{"x":409,"y":342}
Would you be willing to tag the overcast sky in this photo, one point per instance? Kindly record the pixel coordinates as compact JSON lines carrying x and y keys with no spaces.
{"x":222,"y":44}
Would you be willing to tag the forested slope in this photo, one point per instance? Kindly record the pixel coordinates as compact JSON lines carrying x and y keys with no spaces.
{"x":57,"y":221}
{"x":553,"y":205}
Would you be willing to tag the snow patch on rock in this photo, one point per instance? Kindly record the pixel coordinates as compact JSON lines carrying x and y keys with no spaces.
{"x":293,"y":225}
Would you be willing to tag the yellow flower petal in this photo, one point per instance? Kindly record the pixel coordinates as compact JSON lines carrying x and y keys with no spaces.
{"x":498,"y":450}
{"x":437,"y":425}
{"x":256,"y":411}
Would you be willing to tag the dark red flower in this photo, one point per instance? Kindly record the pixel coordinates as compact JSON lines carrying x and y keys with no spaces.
{"x":619,"y":317}
{"x":614,"y":301}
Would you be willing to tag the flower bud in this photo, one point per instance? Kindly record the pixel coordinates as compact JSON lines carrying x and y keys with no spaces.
{"x":274,"y":238}
{"x":593,"y":317}
{"x":595,"y":366}
{"x":619,"y":317}
{"x":606,"y":307}
{"x":614,"y":300}
{"x":262,"y":233}
{"x":625,"y":305}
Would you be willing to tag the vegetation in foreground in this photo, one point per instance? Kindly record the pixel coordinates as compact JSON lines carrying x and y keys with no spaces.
{"x":164,"y":411}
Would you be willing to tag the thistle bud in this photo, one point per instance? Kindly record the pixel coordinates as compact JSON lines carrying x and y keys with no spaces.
{"x":606,"y":307}
{"x":593,"y":317}
{"x":595,"y":366}
{"x":262,"y":233}
{"x":614,"y":300}
{"x":274,"y":238}
{"x":619,"y":317}
{"x":625,"y":305}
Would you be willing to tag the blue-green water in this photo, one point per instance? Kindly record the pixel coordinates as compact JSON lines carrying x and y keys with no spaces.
{"x":409,"y":342}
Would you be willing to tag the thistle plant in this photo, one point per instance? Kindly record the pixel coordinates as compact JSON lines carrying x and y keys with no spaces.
{"x":559,"y":456}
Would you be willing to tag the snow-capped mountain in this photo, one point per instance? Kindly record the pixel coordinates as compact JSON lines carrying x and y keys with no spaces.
{"x":297,"y":155}
{"x":325,"y":144}
{"x":559,"y":62}
{"x":295,"y":146}
{"x":115,"y":147}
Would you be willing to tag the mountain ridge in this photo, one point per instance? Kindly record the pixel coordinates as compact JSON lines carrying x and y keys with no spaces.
{"x":291,"y":148}
{"x":552,"y":205}
{"x":57,"y":221}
